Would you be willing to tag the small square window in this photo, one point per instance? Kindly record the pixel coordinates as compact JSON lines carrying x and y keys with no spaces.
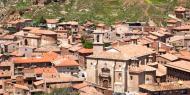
{"x":131,"y":77}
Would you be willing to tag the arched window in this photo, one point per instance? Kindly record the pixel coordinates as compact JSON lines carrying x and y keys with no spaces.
{"x":105,"y":83}
{"x":98,"y":38}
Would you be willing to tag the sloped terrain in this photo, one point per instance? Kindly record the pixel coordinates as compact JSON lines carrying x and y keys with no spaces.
{"x":107,"y":11}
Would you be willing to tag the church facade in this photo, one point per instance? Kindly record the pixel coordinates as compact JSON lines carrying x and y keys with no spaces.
{"x":121,"y":68}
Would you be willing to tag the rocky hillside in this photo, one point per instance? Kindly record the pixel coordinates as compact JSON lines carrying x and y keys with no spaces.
{"x":107,"y":11}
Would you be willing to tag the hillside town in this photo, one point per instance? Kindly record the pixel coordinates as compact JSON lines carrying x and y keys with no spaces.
{"x":126,"y":58}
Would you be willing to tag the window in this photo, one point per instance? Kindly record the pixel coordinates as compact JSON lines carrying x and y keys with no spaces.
{"x":72,"y":68}
{"x":98,"y":38}
{"x":29,"y":82}
{"x":147,"y":79}
{"x":131,"y":77}
{"x":39,"y":75}
{"x":120,"y":76}
{"x":18,"y":92}
{"x":25,"y":42}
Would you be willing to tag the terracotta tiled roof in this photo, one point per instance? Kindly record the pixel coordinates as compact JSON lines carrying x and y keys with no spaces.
{"x":90,"y":90}
{"x":158,"y":34}
{"x":183,"y":55}
{"x":7,"y":37}
{"x":39,"y":82}
{"x":171,"y":21}
{"x":44,"y":32}
{"x":176,"y":38}
{"x":30,"y":28}
{"x":52,"y":21}
{"x":124,"y":52}
{"x":46,"y":57}
{"x":170,"y":57}
{"x":161,"y":70}
{"x":64,"y":78}
{"x":7,"y":42}
{"x":6,"y":63}
{"x":75,"y":48}
{"x":166,"y":86}
{"x":21,"y":86}
{"x":152,"y":37}
{"x":84,"y":50}
{"x":144,"y":41}
{"x":80,"y":85}
{"x":180,"y":9}
{"x":181,"y":65}
{"x":18,"y":21}
{"x":32,"y":36}
{"x":48,"y":70}
{"x":101,"y":25}
{"x":65,"y":62}
{"x":183,"y":27}
{"x":53,"y":48}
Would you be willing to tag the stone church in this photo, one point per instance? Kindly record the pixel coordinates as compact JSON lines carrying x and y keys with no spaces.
{"x":121,"y":68}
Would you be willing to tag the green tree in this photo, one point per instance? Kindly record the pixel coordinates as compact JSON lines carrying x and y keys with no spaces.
{"x":42,"y":20}
{"x":38,"y":21}
{"x":61,"y":19}
{"x":82,"y":39}
{"x":88,"y":44}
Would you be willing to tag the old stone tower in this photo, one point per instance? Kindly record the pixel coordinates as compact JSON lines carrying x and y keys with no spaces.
{"x":98,"y":44}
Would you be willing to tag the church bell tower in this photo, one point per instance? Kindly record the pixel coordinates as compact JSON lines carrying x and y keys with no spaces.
{"x":98,"y":44}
